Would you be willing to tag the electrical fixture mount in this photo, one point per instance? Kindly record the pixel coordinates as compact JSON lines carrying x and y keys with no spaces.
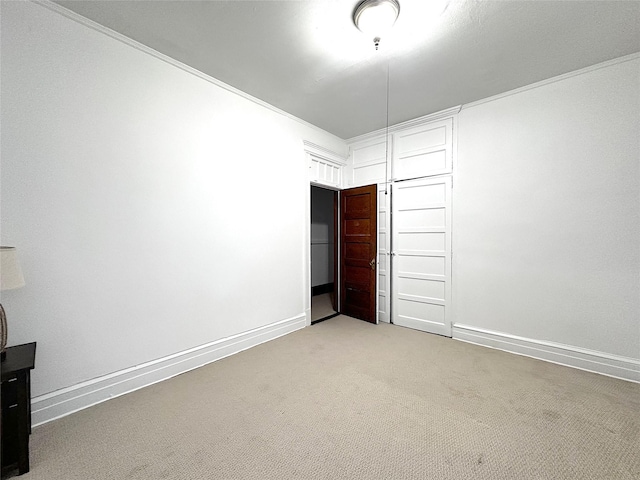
{"x":376,"y":17}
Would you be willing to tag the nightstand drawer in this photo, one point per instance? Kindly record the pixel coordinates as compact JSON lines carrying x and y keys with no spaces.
{"x":9,"y":392}
{"x":10,"y":420}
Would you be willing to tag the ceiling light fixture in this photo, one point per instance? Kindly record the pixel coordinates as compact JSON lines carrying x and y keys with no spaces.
{"x":376,"y":17}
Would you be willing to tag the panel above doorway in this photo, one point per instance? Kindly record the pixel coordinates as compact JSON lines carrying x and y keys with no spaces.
{"x":423,"y":151}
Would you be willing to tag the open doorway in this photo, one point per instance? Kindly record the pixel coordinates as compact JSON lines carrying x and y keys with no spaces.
{"x":324,"y":291}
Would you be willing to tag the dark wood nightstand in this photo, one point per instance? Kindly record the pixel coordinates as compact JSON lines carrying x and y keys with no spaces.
{"x":16,"y":407}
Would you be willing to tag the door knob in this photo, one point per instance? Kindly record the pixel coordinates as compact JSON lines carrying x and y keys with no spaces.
{"x":372,"y":264}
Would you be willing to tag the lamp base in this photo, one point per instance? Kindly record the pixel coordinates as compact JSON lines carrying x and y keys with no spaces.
{"x":3,"y":333}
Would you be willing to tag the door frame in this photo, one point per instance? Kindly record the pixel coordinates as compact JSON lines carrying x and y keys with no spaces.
{"x":307,"y":249}
{"x":322,"y":168}
{"x":337,"y":272}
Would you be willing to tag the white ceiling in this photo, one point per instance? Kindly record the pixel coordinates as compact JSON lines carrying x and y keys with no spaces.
{"x":307,"y":58}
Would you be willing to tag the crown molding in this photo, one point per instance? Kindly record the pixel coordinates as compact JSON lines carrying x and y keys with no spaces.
{"x":452,"y":111}
{"x":324,"y":153}
{"x":558,"y":78}
{"x":449,"y":112}
{"x":171,"y":61}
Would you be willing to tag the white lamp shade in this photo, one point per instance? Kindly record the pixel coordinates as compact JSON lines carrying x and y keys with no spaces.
{"x":375,"y":17}
{"x":10,"y":271}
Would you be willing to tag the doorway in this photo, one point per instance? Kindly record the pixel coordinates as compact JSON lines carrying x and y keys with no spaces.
{"x":343,"y":226}
{"x":324,"y":254}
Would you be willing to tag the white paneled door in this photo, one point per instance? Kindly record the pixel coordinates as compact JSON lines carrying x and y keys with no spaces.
{"x":421,"y":268}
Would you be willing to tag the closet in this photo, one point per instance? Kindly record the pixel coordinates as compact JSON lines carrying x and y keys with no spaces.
{"x":413,"y":168}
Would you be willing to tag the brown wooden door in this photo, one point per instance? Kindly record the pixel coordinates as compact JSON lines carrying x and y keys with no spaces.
{"x":334,"y":292}
{"x":358,"y":251}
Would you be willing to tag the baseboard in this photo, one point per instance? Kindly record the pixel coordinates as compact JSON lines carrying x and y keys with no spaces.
{"x":322,"y":289}
{"x":591,"y":360}
{"x":60,"y":403}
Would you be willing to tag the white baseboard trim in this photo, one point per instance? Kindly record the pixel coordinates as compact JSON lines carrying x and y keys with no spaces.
{"x":624,"y":368}
{"x":60,"y":403}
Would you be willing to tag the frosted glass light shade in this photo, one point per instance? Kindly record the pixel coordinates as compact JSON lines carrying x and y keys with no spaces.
{"x":375,"y":17}
{"x":10,"y":271}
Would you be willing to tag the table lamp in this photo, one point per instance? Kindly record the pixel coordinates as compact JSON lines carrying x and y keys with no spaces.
{"x":10,"y":278}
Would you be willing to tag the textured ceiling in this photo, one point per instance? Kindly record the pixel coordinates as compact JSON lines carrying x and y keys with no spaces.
{"x":307,"y":58}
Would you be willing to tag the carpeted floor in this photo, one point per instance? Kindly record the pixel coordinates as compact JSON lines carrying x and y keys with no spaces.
{"x":345,"y":399}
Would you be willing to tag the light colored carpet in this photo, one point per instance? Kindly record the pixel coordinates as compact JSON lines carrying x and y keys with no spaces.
{"x":345,"y":399}
{"x":321,"y":306}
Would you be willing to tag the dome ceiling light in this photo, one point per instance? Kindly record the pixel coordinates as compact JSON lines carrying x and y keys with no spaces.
{"x":376,"y":17}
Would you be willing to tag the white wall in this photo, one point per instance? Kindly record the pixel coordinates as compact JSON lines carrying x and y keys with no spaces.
{"x":133,"y":191}
{"x":322,"y":245}
{"x":547,"y":213}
